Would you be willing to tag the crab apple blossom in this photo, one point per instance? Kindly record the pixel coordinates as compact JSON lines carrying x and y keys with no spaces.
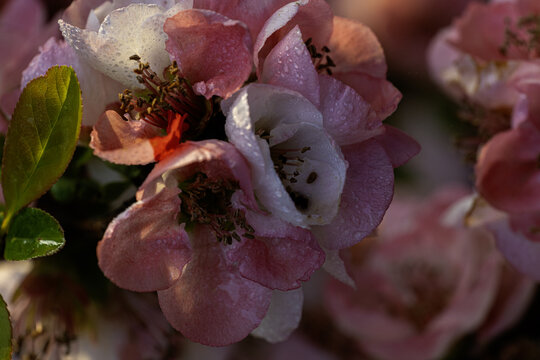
{"x":419,"y":304}
{"x":214,"y":292}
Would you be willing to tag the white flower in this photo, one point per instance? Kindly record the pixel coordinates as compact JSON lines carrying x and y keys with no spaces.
{"x":298,"y":171}
{"x":115,"y":31}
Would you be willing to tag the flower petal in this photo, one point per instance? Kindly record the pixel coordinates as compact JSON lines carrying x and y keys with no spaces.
{"x":212,"y":51}
{"x":135,"y":29}
{"x":366,"y":196}
{"x":144,"y":248}
{"x":520,"y":251}
{"x":217,"y":159}
{"x":399,"y":146}
{"x":348,"y":118}
{"x":122,"y":141}
{"x":282,"y":317}
{"x":293,"y":124}
{"x":280,"y":256}
{"x":289,"y":65}
{"x":507,"y":172}
{"x":212,"y":303}
{"x":355,"y":48}
{"x":379,"y":93}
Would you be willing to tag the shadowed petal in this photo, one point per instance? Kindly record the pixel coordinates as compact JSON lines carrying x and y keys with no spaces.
{"x":212,"y":303}
{"x":368,"y":190}
{"x":144,"y":248}
{"x":213,"y":52}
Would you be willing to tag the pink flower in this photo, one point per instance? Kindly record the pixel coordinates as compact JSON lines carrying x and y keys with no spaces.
{"x":214,"y":292}
{"x":351,"y":116}
{"x":419,"y":304}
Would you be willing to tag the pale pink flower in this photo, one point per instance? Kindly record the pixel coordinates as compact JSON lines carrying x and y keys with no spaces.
{"x":419,"y":303}
{"x":213,"y":292}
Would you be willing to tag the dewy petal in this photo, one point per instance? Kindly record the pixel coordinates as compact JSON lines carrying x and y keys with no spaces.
{"x":379,"y":93}
{"x":122,"y":141}
{"x":144,"y":248}
{"x":135,"y":29}
{"x":212,"y":303}
{"x":314,"y":18}
{"x":281,"y":17}
{"x":217,"y":159}
{"x":97,"y":90}
{"x":355,"y":48}
{"x":348,"y":118}
{"x":289,"y":65}
{"x":213,"y":52}
{"x":282,"y":317}
{"x":293,"y":124}
{"x":366,"y":196}
{"x":280,"y":256}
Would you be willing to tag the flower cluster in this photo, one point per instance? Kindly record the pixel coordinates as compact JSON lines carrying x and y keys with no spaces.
{"x":264,"y":120}
{"x":418,"y":305}
{"x":489,"y":60}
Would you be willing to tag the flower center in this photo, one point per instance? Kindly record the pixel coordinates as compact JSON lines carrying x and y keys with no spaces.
{"x":208,"y":201}
{"x":321,"y":60}
{"x":288,"y":165}
{"x":163,"y":96}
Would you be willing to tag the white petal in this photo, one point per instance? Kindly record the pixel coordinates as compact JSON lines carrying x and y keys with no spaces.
{"x":293,"y":123}
{"x":335,"y":266}
{"x":282,"y":317}
{"x":135,"y":29}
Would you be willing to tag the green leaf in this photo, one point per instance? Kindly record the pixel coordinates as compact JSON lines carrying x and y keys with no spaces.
{"x":33,"y":233}
{"x":5,"y":332}
{"x":41,"y":137}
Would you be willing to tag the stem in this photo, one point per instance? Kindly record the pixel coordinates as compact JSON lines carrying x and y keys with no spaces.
{"x":5,"y":224}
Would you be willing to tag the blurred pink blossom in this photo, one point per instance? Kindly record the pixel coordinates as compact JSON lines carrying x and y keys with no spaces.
{"x":430,"y":281}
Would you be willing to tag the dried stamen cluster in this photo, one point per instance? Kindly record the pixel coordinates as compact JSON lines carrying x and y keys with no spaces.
{"x":208,"y":201}
{"x":161,"y":97}
{"x":321,"y":60}
{"x":529,"y":24}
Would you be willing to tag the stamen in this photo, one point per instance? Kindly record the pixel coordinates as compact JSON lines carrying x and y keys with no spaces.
{"x":322,"y":61}
{"x":208,"y":201}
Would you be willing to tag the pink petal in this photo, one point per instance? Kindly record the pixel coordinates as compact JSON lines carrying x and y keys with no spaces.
{"x":144,"y":248}
{"x":399,"y":146}
{"x":514,"y":296}
{"x":368,"y":190}
{"x":122,"y":141}
{"x":289,"y":65}
{"x":314,"y":18}
{"x":354,"y":48}
{"x":521,"y":252}
{"x":213,"y":52}
{"x":481,"y":30}
{"x":348,"y":118}
{"x":217,"y":159}
{"x":212,"y":303}
{"x":379,"y":93}
{"x":253,"y":13}
{"x":280,"y":256}
{"x":507,"y":172}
